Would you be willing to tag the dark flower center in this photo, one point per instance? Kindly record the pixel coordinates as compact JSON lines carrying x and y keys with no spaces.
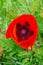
{"x":23,"y":31}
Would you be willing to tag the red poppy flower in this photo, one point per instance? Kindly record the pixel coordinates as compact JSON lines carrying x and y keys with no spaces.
{"x":23,"y":30}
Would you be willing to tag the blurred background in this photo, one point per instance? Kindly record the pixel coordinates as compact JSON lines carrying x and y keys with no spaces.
{"x":10,"y":53}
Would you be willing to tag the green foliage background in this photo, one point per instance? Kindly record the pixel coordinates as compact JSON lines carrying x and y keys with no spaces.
{"x":10,"y":53}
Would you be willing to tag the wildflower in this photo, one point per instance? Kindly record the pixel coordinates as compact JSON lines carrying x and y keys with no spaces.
{"x":23,"y":30}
